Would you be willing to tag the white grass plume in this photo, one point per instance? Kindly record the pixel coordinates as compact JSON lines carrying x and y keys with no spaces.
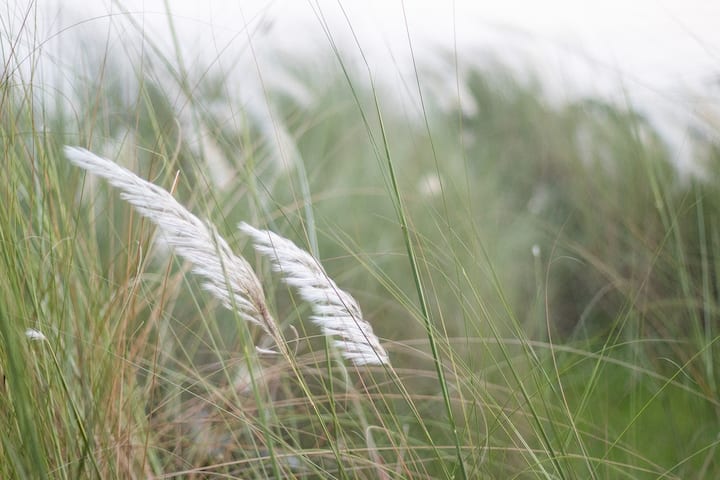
{"x":335,"y":311}
{"x":227,"y":276}
{"x":35,"y":335}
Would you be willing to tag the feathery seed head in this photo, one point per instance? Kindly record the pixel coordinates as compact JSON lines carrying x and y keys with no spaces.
{"x":227,"y":276}
{"x":35,"y":335}
{"x":230,"y":278}
{"x":335,"y":311}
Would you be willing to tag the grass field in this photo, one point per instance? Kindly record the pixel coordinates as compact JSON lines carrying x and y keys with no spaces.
{"x":543,"y":279}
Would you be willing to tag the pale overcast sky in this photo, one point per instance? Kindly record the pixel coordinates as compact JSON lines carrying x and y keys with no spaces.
{"x":663,"y":55}
{"x":665,"y":42}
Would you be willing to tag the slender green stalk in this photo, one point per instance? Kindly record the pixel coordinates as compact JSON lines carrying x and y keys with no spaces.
{"x":430,"y":329}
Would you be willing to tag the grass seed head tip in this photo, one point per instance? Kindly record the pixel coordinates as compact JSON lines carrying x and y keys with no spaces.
{"x":335,"y":311}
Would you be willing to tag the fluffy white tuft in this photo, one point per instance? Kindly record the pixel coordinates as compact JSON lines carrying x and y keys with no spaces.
{"x":35,"y":335}
{"x":227,"y":276}
{"x":335,"y":311}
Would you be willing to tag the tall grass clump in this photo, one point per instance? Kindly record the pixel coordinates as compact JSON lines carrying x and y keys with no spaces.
{"x":343,"y":285}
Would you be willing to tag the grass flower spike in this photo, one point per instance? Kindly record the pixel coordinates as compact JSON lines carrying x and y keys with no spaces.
{"x":335,"y":311}
{"x":230,"y":278}
{"x":35,"y":335}
{"x":227,"y":276}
